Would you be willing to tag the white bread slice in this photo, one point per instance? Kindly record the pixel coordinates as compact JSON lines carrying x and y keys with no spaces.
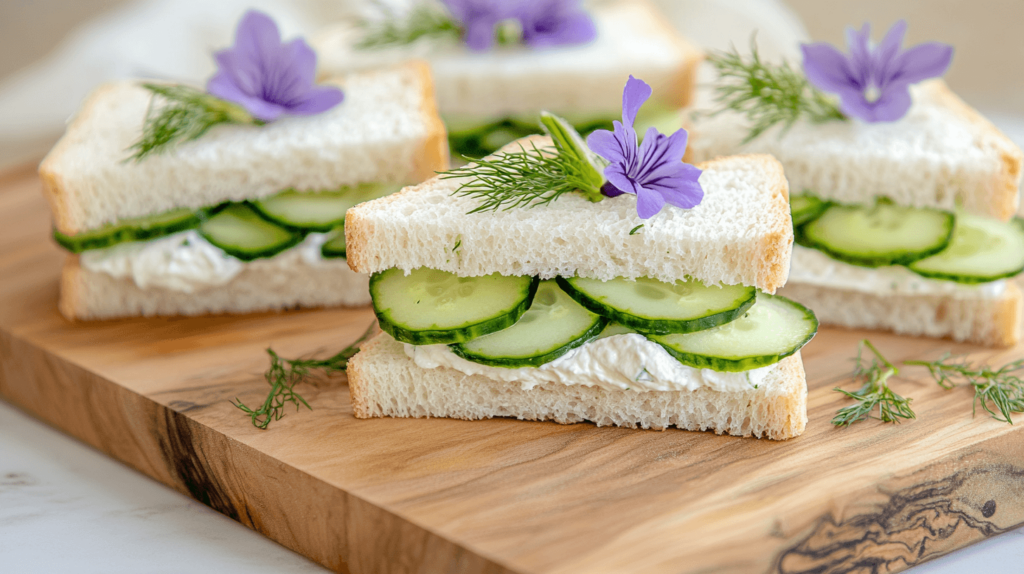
{"x":91,"y":295}
{"x":633,"y":38}
{"x":383,"y":381}
{"x":942,"y":152}
{"x":987,"y":321}
{"x":386,"y":130}
{"x":741,"y":233}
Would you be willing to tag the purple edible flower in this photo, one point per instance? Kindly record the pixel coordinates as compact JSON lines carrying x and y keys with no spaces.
{"x":873,"y":82}
{"x":653,"y":171}
{"x":269,"y":78}
{"x":543,"y":23}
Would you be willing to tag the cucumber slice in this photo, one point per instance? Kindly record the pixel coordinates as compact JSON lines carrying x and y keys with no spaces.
{"x":554,"y":325}
{"x":242,"y":233}
{"x":615,"y":329}
{"x":806,"y":207}
{"x":655,"y":307}
{"x":134,"y":229}
{"x":773,"y":329}
{"x":879,"y":235}
{"x":318,"y":211}
{"x":430,"y":306}
{"x":982,"y":250}
{"x":334,"y":247}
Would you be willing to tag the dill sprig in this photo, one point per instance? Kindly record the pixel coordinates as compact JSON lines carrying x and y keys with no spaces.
{"x":284,"y":374}
{"x":874,"y":393}
{"x":534,"y":176}
{"x":186,"y":114}
{"x":767,"y":94}
{"x":394,"y":29}
{"x":1000,"y":388}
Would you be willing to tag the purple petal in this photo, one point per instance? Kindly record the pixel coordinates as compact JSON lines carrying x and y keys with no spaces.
{"x":648,"y":203}
{"x":257,"y":35}
{"x":827,"y":68}
{"x":319,"y":99}
{"x":859,"y":45}
{"x":615,"y":176}
{"x":893,"y":105}
{"x":609,"y":190}
{"x":222,"y":87}
{"x":605,"y":144}
{"x":930,"y":60}
{"x":660,"y":155}
{"x":480,"y":34}
{"x":576,"y":28}
{"x":682,"y":194}
{"x":634,"y":95}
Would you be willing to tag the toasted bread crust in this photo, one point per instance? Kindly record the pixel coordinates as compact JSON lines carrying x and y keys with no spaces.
{"x":434,"y":157}
{"x":778,"y":243}
{"x":1001,"y":197}
{"x":681,"y":88}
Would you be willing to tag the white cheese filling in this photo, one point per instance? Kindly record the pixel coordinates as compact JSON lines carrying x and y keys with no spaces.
{"x":617,"y":363}
{"x":813,"y":267}
{"x":188,"y":263}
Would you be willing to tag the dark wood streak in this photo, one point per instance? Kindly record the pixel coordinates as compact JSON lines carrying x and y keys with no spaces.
{"x":188,"y":464}
{"x":915,"y":524}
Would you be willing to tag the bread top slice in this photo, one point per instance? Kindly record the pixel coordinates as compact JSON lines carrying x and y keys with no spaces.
{"x":942,"y":153}
{"x":386,"y":130}
{"x":741,"y":233}
{"x":587,"y":79}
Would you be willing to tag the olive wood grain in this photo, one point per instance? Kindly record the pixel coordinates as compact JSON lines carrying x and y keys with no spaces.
{"x":425,"y":496}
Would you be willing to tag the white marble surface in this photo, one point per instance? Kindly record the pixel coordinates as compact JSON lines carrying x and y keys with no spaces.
{"x":65,"y":507}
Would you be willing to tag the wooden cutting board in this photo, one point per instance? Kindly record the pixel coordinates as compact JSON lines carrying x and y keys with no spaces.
{"x":425,"y":496}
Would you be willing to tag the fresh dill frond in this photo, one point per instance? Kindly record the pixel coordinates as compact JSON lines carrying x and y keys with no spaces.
{"x":533,"y":176}
{"x":524,"y":178}
{"x":284,"y":374}
{"x":185,"y":114}
{"x":875,"y":393}
{"x":394,"y":29}
{"x":767,"y":94}
{"x":999,"y":391}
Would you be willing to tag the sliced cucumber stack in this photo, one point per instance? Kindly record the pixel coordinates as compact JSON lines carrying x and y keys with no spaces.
{"x":773,"y":329}
{"x":982,"y":250}
{"x":655,"y":307}
{"x":554,"y":325}
{"x":879,"y":235}
{"x":805,"y":207}
{"x":242,"y":233}
{"x":134,"y":229}
{"x":431,"y":307}
{"x":334,"y":247}
{"x":317,"y":211}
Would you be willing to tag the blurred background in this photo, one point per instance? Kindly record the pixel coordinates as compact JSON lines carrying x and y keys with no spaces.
{"x":53,"y":52}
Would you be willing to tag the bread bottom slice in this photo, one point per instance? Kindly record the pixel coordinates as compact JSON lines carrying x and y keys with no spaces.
{"x":384,"y":381}
{"x":988,"y":321}
{"x":89,"y":294}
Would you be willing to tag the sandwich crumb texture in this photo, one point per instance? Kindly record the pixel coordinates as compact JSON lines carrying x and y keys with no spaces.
{"x":991,"y":322}
{"x":386,"y":130}
{"x":941,"y":154}
{"x":90,"y":295}
{"x":384,"y":382}
{"x":739,"y":234}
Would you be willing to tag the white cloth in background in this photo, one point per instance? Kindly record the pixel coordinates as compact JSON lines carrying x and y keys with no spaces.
{"x":174,"y":39}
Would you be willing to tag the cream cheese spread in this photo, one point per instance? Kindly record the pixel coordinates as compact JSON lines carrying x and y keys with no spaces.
{"x":616,"y":363}
{"x":812,"y":267}
{"x":188,"y":263}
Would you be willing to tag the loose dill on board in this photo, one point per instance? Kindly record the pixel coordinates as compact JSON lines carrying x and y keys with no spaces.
{"x":284,"y":374}
{"x":875,"y":393}
{"x":999,"y":391}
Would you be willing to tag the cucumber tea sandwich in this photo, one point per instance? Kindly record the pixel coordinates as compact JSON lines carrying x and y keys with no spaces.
{"x":178,"y":201}
{"x":902,"y":193}
{"x":498,"y":63}
{"x":601,"y":280}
